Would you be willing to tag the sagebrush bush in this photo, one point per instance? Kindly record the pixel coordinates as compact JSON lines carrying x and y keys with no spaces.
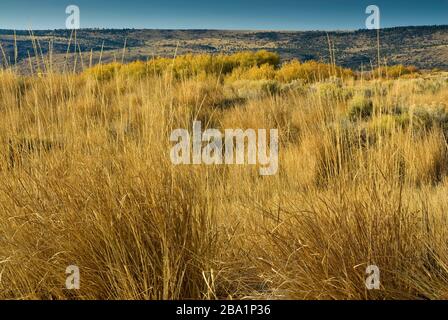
{"x":430,"y":86}
{"x":360,"y":107}
{"x":333,"y":90}
{"x":252,"y":89}
{"x":429,"y":116}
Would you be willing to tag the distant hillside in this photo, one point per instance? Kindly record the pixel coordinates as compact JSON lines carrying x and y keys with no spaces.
{"x":425,"y":47}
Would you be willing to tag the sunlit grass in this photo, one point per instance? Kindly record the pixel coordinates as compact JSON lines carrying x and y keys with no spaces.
{"x":87,"y":181}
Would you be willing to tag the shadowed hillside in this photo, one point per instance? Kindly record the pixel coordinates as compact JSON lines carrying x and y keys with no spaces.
{"x":425,"y":47}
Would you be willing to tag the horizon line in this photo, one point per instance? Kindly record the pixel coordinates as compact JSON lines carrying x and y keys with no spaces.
{"x":233,"y":30}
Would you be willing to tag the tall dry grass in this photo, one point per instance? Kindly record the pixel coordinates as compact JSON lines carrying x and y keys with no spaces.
{"x":87,"y":181}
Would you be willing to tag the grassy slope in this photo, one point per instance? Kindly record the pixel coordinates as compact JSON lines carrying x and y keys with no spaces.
{"x":87,"y":180}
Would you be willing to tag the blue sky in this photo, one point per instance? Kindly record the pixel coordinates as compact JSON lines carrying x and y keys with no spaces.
{"x":229,"y":14}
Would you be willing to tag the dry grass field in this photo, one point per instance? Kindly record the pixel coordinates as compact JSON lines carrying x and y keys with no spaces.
{"x":87,"y":180}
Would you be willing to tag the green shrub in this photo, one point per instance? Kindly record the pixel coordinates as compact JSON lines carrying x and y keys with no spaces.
{"x":333,"y":90}
{"x":251,"y":89}
{"x":297,"y":86}
{"x":360,"y":108}
{"x":431,"y":86}
{"x":427,"y":117}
